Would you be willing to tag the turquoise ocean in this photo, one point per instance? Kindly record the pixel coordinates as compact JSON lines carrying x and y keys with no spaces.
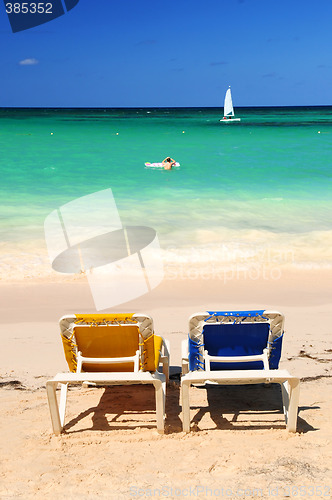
{"x":255,"y":191}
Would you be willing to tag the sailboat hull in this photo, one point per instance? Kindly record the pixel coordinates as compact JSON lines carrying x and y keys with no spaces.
{"x":230,"y":120}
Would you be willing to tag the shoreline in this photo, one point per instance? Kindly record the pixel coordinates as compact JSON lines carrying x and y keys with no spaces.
{"x":230,"y":255}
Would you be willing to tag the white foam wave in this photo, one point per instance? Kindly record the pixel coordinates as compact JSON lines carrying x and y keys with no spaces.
{"x":201,"y":249}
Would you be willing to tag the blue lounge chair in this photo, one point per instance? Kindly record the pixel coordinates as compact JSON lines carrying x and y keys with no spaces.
{"x":237,"y":347}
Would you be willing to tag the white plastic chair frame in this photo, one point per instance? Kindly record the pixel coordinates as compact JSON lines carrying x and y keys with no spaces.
{"x":157,"y":379}
{"x":290,"y":385}
{"x":129,"y":359}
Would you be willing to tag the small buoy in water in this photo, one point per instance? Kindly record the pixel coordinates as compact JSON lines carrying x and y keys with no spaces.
{"x":319,"y":131}
{"x":51,"y":133}
{"x":183,"y":131}
{"x":117,"y":133}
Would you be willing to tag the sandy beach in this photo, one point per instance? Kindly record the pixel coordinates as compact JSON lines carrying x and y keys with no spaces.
{"x":238,"y":448}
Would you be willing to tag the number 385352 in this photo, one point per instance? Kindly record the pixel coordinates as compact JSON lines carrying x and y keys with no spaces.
{"x":29,"y":8}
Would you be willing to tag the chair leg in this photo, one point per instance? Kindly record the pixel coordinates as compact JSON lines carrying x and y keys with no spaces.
{"x":160,"y":388}
{"x":164,"y":398}
{"x":166,"y":369}
{"x":290,"y":398}
{"x":285,"y":397}
{"x":63,"y":401}
{"x":294,"y":388}
{"x":53,"y":406}
{"x":185,"y":406}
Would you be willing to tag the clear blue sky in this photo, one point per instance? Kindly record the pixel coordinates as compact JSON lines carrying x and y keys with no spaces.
{"x":146,"y":53}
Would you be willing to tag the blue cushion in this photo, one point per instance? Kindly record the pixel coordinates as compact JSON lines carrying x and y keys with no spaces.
{"x":236,"y":340}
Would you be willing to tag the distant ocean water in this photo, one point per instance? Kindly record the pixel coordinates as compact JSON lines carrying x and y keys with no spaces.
{"x":258,"y":191}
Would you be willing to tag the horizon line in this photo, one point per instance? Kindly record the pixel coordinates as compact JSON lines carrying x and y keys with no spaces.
{"x":171,"y":107}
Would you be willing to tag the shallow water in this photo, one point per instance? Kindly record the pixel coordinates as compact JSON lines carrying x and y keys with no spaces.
{"x":242,"y":188}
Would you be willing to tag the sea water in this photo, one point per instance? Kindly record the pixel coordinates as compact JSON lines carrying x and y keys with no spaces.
{"x":259,"y":190}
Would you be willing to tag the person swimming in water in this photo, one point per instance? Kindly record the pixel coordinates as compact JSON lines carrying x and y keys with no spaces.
{"x":168,"y":163}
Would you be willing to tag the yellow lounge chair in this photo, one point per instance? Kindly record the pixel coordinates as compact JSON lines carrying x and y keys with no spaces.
{"x":237,"y":348}
{"x":110,"y":349}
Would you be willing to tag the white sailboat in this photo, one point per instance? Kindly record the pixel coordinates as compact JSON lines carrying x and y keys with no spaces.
{"x":228,"y":109}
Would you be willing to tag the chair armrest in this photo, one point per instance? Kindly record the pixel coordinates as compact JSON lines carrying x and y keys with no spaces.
{"x":166,"y":348}
{"x":165,"y":358}
{"x":236,"y":359}
{"x":102,"y":361}
{"x":185,"y":356}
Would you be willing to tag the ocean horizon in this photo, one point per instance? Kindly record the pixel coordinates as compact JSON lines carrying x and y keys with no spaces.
{"x":254,"y":191}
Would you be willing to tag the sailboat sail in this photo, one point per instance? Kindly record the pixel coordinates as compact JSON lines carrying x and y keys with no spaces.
{"x":228,"y":104}
{"x":228,"y":109}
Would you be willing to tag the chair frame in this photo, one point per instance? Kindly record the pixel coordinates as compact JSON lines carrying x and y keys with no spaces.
{"x":138,"y":376}
{"x":290,"y":385}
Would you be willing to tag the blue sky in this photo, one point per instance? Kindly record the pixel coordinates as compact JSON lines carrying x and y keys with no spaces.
{"x":150,"y":53}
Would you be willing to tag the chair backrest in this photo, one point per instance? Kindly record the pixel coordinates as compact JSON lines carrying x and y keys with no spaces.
{"x":107,"y":341}
{"x":235,"y":333}
{"x":110,"y":336}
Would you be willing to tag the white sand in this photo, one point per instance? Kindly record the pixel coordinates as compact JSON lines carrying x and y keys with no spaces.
{"x":239,"y":447}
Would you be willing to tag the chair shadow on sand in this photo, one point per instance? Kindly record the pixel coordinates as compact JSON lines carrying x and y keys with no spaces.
{"x":127,"y":407}
{"x":120,"y":407}
{"x":244,"y":407}
{"x":228,"y":407}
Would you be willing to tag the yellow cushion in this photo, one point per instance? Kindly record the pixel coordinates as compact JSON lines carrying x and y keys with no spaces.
{"x":100,"y":339}
{"x":151,"y":353}
{"x":107,"y":341}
